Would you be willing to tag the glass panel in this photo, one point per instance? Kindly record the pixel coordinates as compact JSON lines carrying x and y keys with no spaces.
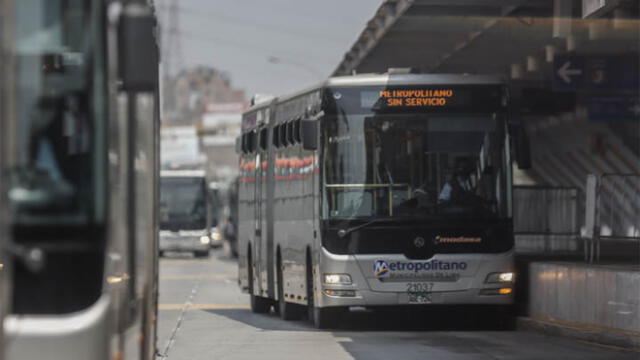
{"x":183,"y":203}
{"x":53,"y":177}
{"x":414,"y":165}
{"x":276,"y":136}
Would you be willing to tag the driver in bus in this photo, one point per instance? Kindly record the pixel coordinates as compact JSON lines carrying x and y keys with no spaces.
{"x":459,"y":185}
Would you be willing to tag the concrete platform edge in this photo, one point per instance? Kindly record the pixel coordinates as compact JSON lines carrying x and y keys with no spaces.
{"x":585,"y":332}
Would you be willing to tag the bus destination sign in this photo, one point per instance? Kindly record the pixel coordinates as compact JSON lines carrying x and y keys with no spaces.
{"x":418,"y":97}
{"x":486,"y":98}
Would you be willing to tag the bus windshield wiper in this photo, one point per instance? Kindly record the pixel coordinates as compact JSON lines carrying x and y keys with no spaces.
{"x":344,"y":232}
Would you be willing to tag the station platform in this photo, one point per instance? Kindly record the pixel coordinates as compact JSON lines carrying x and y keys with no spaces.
{"x":598,"y":303}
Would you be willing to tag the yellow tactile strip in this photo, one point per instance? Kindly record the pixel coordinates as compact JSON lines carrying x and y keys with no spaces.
{"x":198,"y":277}
{"x":203,"y":306}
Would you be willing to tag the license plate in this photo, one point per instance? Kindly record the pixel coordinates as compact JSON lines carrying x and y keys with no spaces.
{"x":419,"y":292}
{"x":419,"y":298}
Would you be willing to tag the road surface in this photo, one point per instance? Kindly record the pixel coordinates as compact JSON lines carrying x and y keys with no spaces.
{"x":203,"y":315}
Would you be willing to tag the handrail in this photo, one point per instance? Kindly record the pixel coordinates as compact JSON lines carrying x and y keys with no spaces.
{"x":388,"y":186}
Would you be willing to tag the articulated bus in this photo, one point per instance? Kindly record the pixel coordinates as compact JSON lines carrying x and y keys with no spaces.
{"x":78,"y":131}
{"x":376,"y":191}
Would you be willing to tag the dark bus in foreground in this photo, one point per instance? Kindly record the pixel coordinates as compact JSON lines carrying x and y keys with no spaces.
{"x":79,"y":124}
{"x":378,"y":190}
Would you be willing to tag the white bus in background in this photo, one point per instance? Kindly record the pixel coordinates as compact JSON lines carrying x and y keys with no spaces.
{"x":185,"y":212}
{"x":79,"y":131}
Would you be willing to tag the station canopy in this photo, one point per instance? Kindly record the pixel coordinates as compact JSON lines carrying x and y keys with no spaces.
{"x":517,"y":38}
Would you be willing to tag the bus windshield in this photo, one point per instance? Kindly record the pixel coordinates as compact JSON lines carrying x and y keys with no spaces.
{"x":182,"y":203}
{"x":414,"y":165}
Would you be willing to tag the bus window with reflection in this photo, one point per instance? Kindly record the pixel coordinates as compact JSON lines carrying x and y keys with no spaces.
{"x":53,"y":177}
{"x":436,"y":152}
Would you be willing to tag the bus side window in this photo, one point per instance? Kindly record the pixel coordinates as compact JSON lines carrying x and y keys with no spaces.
{"x":263,"y":139}
{"x":276,"y":136}
{"x":283,"y":134}
{"x":296,"y":131}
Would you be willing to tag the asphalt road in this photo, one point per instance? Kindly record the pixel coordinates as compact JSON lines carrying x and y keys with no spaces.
{"x":203,"y":315}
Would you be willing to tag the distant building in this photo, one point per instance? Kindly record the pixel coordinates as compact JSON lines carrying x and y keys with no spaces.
{"x":204,"y":99}
{"x":188,"y":94}
{"x":180,"y":148}
{"x":219,"y":128}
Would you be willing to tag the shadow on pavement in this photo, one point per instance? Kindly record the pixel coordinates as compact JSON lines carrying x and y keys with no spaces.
{"x":263,"y":321}
{"x":390,"y":319}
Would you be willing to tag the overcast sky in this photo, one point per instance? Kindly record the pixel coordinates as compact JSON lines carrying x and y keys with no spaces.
{"x":308,"y":38}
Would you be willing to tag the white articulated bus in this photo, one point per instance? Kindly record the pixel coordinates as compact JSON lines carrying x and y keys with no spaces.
{"x":78,"y":128}
{"x":378,"y":190}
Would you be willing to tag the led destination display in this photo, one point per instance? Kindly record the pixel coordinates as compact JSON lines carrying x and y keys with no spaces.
{"x":409,"y":99}
{"x":425,"y":97}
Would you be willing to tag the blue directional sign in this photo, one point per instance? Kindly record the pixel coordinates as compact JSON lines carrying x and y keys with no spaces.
{"x":613,"y":108}
{"x":582,"y":72}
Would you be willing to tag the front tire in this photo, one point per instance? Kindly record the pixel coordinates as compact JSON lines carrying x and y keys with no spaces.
{"x":504,"y":318}
{"x":321,"y":318}
{"x":201,"y":254}
{"x":326,"y":318}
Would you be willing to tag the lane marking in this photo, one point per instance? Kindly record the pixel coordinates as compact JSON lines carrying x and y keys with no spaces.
{"x":180,"y":262}
{"x":612,"y":347}
{"x":198,"y":277}
{"x":184,"y":309}
{"x":167,"y":307}
{"x":344,"y":339}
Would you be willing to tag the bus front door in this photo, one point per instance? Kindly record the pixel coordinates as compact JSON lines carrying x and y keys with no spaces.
{"x":260,"y":260}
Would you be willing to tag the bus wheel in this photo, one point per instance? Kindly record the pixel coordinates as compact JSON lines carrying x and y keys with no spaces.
{"x":321,"y":318}
{"x":287,"y":310}
{"x":259,"y":305}
{"x":504,"y":317}
{"x":326,"y":318}
{"x":201,"y":254}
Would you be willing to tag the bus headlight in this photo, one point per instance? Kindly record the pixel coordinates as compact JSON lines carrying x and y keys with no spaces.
{"x":494,"y":278}
{"x":204,"y":240}
{"x":337,"y":279}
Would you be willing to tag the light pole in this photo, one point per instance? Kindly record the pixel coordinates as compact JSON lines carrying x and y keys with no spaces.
{"x":280,"y":61}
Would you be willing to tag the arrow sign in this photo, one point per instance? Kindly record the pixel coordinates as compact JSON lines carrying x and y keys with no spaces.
{"x":596,"y":72}
{"x":613,"y":108}
{"x":565,"y":72}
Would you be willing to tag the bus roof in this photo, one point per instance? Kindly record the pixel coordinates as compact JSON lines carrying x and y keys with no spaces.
{"x":414,"y":79}
{"x":374,"y":79}
{"x":395,"y":79}
{"x":183,"y":173}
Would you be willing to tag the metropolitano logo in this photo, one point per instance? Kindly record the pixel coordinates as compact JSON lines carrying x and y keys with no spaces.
{"x":381,"y":268}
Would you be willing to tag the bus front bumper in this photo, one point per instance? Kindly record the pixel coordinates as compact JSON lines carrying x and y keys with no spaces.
{"x":375,"y":298}
{"x":468,"y":286}
{"x":190,"y":242}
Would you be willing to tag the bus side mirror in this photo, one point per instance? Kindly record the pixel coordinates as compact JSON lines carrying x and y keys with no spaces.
{"x":137,"y":49}
{"x":309,"y":129}
{"x":522,"y":148}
